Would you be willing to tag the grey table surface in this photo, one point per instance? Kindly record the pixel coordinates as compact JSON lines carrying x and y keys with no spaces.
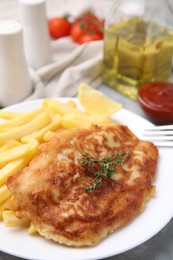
{"x":159,"y":247}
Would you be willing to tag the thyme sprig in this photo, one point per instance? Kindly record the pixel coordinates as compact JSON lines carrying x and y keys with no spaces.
{"x":106,"y":167}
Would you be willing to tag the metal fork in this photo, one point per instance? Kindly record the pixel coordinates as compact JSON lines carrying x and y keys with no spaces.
{"x":160,"y":135}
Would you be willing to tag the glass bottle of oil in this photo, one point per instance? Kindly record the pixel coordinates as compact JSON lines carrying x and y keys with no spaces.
{"x":138,"y":44}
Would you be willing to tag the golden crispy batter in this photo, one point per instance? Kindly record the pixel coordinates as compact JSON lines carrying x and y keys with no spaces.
{"x":50,"y":191}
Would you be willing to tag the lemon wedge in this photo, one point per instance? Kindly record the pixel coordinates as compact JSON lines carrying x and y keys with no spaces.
{"x":95,"y":102}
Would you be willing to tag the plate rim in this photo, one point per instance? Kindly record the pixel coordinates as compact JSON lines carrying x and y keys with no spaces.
{"x":121,"y":111}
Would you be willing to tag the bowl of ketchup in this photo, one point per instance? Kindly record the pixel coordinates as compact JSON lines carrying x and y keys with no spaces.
{"x":156,"y":100}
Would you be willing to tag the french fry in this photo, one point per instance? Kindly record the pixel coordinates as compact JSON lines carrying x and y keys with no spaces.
{"x":8,"y":204}
{"x":8,"y":115}
{"x":4,"y":148}
{"x":2,"y":208}
{"x":59,"y":107}
{"x":11,"y":168}
{"x":18,"y":132}
{"x":20,"y":163}
{"x":21,"y":119}
{"x":12,"y":143}
{"x":32,"y":230}
{"x":9,"y":144}
{"x":52,"y":111}
{"x":14,"y":153}
{"x":48,"y":135}
{"x":74,"y":120}
{"x":75,"y":124}
{"x":71,"y":103}
{"x":4,"y":193}
{"x":10,"y":219}
{"x":86,"y":118}
{"x":11,"y":204}
{"x":53,"y":126}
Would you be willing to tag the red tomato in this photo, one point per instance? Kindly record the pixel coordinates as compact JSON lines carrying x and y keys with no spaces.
{"x":77,"y":31}
{"x":87,"y":15}
{"x":59,"y":27}
{"x":94,"y":23}
{"x":88,"y":25}
{"x":90,"y":37}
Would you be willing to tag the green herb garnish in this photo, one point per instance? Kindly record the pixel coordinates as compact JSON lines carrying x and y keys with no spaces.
{"x":106,"y":167}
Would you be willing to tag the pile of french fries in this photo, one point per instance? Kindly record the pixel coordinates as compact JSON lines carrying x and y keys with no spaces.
{"x":20,"y":136}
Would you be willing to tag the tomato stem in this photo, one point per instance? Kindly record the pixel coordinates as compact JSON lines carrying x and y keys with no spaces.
{"x":66,"y":16}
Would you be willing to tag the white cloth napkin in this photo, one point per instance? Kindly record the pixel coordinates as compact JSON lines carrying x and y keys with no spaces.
{"x":72,"y":64}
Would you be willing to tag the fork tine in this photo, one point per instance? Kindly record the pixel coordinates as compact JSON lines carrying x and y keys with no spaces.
{"x":158,"y":132}
{"x":161,"y":127}
{"x":160,"y":138}
{"x":159,"y":135}
{"x":163,"y":144}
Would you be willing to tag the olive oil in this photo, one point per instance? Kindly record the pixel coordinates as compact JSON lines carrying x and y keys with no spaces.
{"x":136,"y":52}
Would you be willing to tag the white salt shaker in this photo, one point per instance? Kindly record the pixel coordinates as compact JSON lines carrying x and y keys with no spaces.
{"x":37,"y":42}
{"x":15,"y":81}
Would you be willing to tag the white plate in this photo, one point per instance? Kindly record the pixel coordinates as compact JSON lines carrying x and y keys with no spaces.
{"x":156,"y":215}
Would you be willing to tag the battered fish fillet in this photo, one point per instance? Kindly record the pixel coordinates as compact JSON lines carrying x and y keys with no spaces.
{"x":51,"y":190}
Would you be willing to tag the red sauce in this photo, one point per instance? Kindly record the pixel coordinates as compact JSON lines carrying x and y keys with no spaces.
{"x":156,"y":99}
